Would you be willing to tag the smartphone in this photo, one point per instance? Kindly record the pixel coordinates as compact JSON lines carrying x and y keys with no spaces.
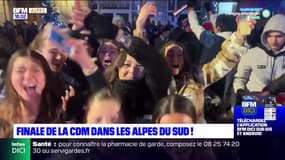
{"x":244,"y":25}
{"x":58,"y":39}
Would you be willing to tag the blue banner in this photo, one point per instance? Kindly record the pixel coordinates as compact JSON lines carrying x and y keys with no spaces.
{"x":251,"y":120}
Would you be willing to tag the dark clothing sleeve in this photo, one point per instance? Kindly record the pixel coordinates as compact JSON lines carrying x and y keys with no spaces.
{"x":276,"y":86}
{"x":73,"y":75}
{"x":100,"y":26}
{"x":157,"y":73}
{"x":208,"y":54}
{"x":97,"y":81}
{"x":208,"y":39}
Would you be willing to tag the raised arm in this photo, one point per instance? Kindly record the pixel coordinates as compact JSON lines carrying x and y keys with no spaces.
{"x":147,"y":10}
{"x":227,"y":58}
{"x":220,"y":65}
{"x":157,"y":73}
{"x":194,"y":23}
{"x":91,"y":71}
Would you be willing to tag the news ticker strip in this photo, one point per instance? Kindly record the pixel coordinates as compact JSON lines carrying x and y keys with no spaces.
{"x":123,"y":131}
{"x":249,"y":120}
{"x":15,"y":149}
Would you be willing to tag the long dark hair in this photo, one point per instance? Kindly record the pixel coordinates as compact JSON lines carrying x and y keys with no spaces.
{"x":50,"y":98}
{"x":174,"y":104}
{"x":189,"y":71}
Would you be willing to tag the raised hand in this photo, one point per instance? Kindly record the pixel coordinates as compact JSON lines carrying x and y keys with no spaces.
{"x":68,"y":94}
{"x":244,"y":27}
{"x":147,"y":10}
{"x":81,"y":55}
{"x":77,"y":4}
{"x":78,"y":15}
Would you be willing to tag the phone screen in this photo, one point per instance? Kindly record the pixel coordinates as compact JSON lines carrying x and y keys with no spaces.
{"x":57,"y":38}
{"x":244,"y":27}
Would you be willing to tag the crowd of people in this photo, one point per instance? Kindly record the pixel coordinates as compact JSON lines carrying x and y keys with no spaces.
{"x":116,"y":74}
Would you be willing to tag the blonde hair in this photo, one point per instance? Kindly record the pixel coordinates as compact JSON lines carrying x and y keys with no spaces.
{"x":42,"y":36}
{"x":10,"y":106}
{"x":111,"y":73}
{"x":6,"y":129}
{"x":39,"y":40}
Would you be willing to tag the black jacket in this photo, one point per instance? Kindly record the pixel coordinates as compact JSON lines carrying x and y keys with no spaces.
{"x":139,"y":96}
{"x":155,"y":84}
{"x":71,"y":74}
{"x":157,"y":74}
{"x":97,"y":81}
{"x":276,"y":86}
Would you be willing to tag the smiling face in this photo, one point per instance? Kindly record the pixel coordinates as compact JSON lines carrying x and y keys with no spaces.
{"x":174,"y":58}
{"x":107,"y":54}
{"x":28,"y":78}
{"x":53,"y":55}
{"x":131,"y":69}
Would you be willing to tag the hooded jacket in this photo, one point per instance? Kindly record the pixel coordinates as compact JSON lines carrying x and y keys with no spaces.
{"x":260,"y":66}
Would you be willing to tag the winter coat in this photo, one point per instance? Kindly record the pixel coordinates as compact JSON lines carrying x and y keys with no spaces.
{"x":276,"y":86}
{"x":144,"y":94}
{"x":260,"y":66}
{"x":71,"y":74}
{"x":211,"y":72}
{"x":140,"y":96}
